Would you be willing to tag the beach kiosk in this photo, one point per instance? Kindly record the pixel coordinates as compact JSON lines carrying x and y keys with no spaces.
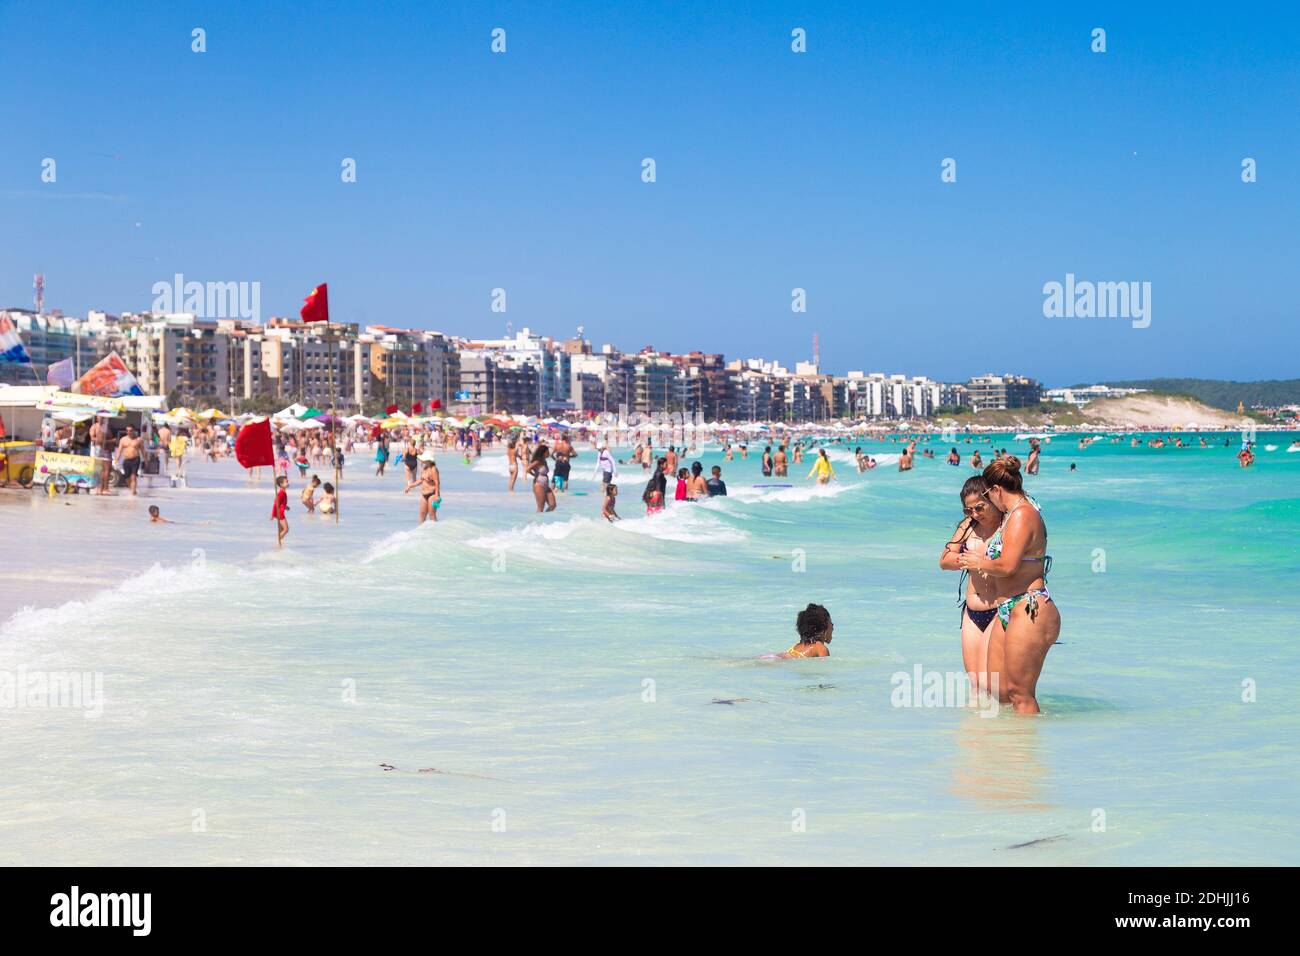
{"x":33,"y":413}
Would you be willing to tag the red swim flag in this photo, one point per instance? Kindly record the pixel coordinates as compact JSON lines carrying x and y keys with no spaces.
{"x":316,"y":307}
{"x":390,"y":410}
{"x":253,"y":444}
{"x":435,"y":404}
{"x":415,"y":409}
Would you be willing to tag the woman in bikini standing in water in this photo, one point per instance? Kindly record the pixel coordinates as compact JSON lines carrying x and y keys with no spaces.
{"x":1017,"y":561}
{"x":430,"y":488}
{"x":979,"y":595}
{"x":543,"y":493}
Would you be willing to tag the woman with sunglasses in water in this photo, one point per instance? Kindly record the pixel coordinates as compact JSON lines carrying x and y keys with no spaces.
{"x":978,"y":593}
{"x":1016,"y":559}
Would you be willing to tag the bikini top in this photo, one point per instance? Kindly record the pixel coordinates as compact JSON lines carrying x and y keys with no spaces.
{"x":994,"y":547}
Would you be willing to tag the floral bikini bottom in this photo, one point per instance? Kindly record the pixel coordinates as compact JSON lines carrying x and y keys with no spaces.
{"x":1031,"y":598}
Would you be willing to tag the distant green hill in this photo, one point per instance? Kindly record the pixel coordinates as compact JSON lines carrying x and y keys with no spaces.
{"x":1219,"y":394}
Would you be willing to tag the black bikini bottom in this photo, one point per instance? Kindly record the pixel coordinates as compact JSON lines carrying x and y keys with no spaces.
{"x":980,"y":619}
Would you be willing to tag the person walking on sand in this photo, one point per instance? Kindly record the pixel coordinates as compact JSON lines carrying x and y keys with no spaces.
{"x":280,"y":510}
{"x":130,"y":456}
{"x":176,"y":450}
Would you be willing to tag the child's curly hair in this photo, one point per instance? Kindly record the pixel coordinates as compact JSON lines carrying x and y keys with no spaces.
{"x":812,"y":623}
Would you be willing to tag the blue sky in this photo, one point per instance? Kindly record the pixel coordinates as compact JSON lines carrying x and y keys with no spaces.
{"x":774,"y":170}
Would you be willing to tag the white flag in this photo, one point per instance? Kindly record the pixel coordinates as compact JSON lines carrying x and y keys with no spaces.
{"x":61,"y":374}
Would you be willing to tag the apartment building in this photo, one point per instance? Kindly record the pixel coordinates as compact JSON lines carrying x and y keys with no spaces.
{"x":1003,"y":391}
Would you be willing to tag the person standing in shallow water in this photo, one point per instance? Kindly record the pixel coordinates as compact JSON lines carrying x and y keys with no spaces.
{"x":539,"y":469}
{"x":822,"y":468}
{"x":1028,"y":621}
{"x":656,"y":488}
{"x":280,"y":510}
{"x":979,"y":599}
{"x":512,"y":459}
{"x":697,"y":487}
{"x":430,"y":483}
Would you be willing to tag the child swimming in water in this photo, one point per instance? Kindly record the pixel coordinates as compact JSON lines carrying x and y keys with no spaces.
{"x":607,"y":509}
{"x":815,"y":629}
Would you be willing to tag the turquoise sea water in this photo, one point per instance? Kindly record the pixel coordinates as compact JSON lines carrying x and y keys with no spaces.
{"x":562,"y":673}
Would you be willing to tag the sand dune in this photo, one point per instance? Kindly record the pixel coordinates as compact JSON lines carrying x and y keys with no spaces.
{"x":1158,"y":411}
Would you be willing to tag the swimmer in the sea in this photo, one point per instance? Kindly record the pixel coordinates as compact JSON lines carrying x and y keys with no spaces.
{"x":155,"y":516}
{"x":607,"y":509}
{"x":815,"y":629}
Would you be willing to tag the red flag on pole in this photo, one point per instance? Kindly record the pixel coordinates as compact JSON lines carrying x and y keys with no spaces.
{"x":316,"y":307}
{"x":390,"y":409}
{"x":435,"y":404}
{"x":253,"y":444}
{"x":416,"y":408}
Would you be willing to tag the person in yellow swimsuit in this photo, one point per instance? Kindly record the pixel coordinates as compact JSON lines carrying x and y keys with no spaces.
{"x":176,"y":448}
{"x":822,"y":468}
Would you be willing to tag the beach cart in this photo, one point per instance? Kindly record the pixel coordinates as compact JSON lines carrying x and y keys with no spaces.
{"x":17,"y":463}
{"x":61,"y":472}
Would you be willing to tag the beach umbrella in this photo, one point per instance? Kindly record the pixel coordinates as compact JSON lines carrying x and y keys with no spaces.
{"x":309,"y":413}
